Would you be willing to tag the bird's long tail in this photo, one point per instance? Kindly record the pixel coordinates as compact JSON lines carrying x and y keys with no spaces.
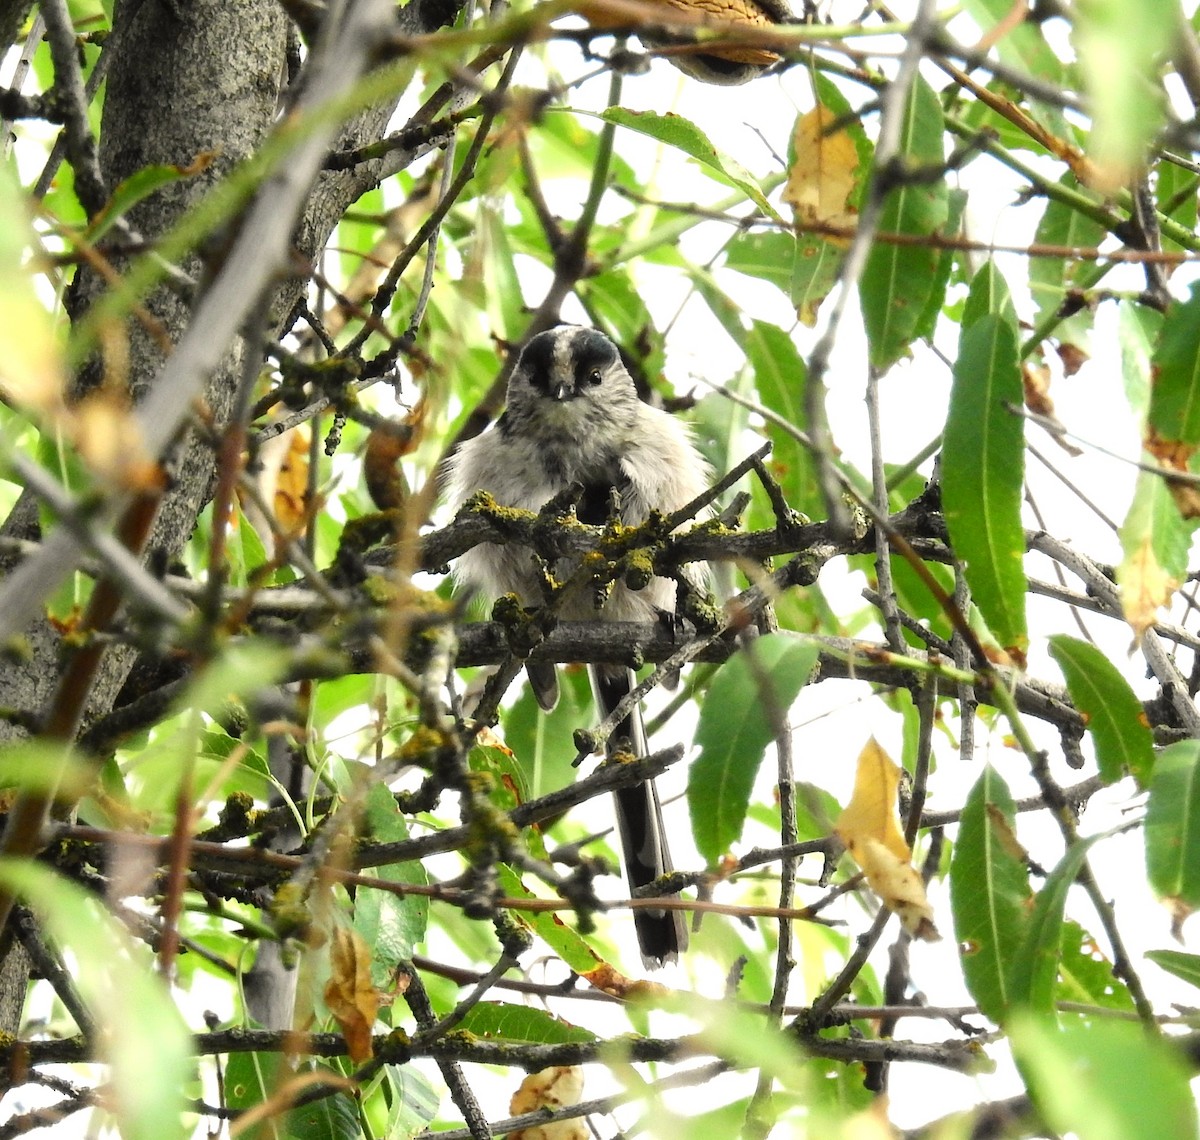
{"x":661,"y":934}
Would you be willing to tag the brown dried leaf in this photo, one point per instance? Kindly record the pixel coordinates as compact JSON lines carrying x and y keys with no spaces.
{"x":1004,"y":833}
{"x":349,"y":995}
{"x":1169,"y":452}
{"x":1035,"y":379}
{"x":1180,"y":912}
{"x":1073,"y":358}
{"x":386,"y":445}
{"x":1177,"y":457}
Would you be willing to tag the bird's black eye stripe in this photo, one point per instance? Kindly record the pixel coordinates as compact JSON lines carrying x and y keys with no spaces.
{"x":593,"y":355}
{"x":537,"y":360}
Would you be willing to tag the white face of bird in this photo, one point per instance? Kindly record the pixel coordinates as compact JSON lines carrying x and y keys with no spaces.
{"x":571,"y":381}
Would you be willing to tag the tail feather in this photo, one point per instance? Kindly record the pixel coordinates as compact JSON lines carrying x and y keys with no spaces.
{"x":661,"y":934}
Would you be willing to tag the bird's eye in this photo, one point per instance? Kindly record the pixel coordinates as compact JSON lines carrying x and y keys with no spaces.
{"x":594,"y":377}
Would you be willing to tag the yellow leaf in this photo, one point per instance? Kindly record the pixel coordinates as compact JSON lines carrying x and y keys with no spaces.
{"x":870,"y":1124}
{"x":870,"y":829}
{"x":31,"y":371}
{"x":822,"y":178}
{"x":898,"y":886}
{"x":611,"y":981}
{"x":559,"y":1087}
{"x":109,"y":440}
{"x":871,"y":812}
{"x":291,"y":483}
{"x":1145,"y":586}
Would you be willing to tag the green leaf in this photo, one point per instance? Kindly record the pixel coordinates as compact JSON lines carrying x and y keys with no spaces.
{"x":1051,"y":277}
{"x":899,"y":281}
{"x":1175,"y":395}
{"x":414,"y":1102}
{"x":251,"y":1078}
{"x":563,"y":147}
{"x":139,"y":1031}
{"x":727,"y":312}
{"x":1175,"y":189}
{"x":1118,"y":43}
{"x":329,"y":1118}
{"x":541,"y":741}
{"x":502,"y":284}
{"x":815,"y":271}
{"x":780,"y":378}
{"x":1026,"y":48}
{"x":989,"y":894}
{"x":245,"y":552}
{"x":42,"y":766}
{"x":140,"y":185}
{"x":1138,"y":328}
{"x":1183,"y":966}
{"x":1173,"y":824}
{"x":983,"y":466}
{"x":522,"y":1024}
{"x":765,"y":254}
{"x":989,"y":296}
{"x":392,"y":925}
{"x":956,"y":205}
{"x":1105,"y":1080}
{"x":154,"y":774}
{"x":737,"y":722}
{"x":1034,"y":969}
{"x":563,"y":939}
{"x":682,"y":134}
{"x":1085,"y":975}
{"x":744,"y":1036}
{"x":241,"y":670}
{"x":1114,"y":715}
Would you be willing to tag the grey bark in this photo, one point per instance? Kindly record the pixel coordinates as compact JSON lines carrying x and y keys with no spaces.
{"x":13,"y":14}
{"x":184,"y":79}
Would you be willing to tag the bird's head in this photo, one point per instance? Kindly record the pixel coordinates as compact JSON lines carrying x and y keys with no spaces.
{"x":572,"y":379}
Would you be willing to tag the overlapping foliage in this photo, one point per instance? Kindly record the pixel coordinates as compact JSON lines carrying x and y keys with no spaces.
{"x":258,"y":760}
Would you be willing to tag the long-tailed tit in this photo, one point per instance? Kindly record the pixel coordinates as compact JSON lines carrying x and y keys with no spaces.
{"x":574,"y":418}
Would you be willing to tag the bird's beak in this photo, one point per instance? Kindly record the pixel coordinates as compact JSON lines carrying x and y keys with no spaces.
{"x":561,"y":392}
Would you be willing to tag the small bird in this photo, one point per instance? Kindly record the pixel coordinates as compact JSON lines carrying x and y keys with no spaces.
{"x":574,"y":420}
